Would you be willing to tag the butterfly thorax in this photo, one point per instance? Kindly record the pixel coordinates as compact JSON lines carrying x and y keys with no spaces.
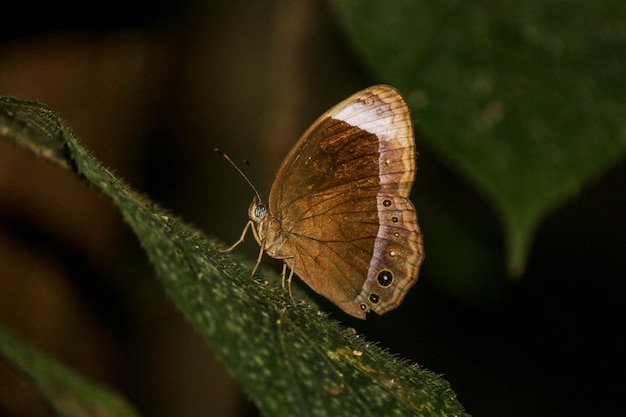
{"x":268,"y":229}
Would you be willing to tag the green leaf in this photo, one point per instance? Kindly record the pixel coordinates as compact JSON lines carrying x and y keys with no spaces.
{"x":67,"y":394}
{"x":525,"y":99}
{"x":289,"y":358}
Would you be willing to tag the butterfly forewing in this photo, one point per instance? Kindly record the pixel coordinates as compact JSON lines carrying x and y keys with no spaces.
{"x":339,"y":204}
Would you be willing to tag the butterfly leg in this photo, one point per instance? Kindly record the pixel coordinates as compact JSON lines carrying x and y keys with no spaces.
{"x":258,"y":260}
{"x":284,"y":273}
{"x":242,"y":237}
{"x":282,"y":276}
{"x":250,"y":224}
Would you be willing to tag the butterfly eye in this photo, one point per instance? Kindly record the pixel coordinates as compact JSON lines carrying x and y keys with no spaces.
{"x":260,"y":211}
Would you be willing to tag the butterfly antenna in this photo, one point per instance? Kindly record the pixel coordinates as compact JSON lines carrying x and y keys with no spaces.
{"x":240,"y":171}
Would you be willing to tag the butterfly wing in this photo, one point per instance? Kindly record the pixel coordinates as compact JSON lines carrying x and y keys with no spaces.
{"x":347,"y":226}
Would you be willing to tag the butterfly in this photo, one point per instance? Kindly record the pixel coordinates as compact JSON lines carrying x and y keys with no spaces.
{"x":339,"y":214}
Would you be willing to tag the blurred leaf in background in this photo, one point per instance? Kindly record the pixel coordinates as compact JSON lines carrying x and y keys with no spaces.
{"x":526,"y":100}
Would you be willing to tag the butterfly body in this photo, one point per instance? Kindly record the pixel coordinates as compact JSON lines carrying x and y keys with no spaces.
{"x":338,"y":213}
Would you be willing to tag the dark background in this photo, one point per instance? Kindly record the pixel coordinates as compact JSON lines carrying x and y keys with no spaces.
{"x":151,"y":90}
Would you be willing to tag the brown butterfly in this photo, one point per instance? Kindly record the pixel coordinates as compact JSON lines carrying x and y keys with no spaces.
{"x":338,"y":213}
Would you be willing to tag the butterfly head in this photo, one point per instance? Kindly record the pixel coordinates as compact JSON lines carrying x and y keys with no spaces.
{"x":259,"y":215}
{"x":270,"y":234}
{"x":258,"y":210}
